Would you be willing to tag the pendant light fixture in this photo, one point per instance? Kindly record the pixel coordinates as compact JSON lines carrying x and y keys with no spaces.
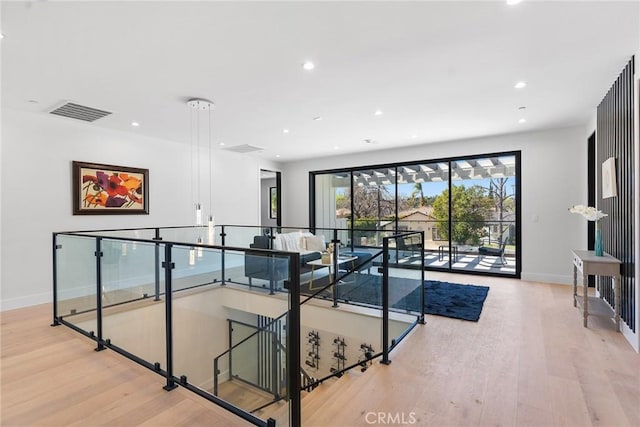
{"x":201,"y":126}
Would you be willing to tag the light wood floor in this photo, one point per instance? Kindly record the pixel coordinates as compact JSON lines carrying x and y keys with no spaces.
{"x":527,"y":362}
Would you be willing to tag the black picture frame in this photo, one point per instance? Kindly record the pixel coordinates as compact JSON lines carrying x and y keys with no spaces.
{"x":100,"y":189}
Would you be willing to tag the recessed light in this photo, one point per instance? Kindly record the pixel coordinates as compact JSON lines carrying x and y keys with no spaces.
{"x":513,"y":2}
{"x":1,"y":36}
{"x":277,"y":155}
{"x":378,"y":113}
{"x":135,"y":124}
{"x":336,"y":148}
{"x":285,"y":130}
{"x":317,"y":119}
{"x":308,"y":65}
{"x":523,"y":120}
{"x":414,"y":136}
{"x":222,"y":144}
{"x":520,"y":85}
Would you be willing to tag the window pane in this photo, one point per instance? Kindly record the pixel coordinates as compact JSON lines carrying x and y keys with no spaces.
{"x":420,"y":186}
{"x":483,"y":213}
{"x":374,"y":205}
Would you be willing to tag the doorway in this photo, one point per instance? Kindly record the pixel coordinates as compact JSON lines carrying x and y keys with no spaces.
{"x":270,"y":198}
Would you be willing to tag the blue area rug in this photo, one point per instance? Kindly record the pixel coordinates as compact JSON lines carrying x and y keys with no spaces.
{"x":448,"y":299}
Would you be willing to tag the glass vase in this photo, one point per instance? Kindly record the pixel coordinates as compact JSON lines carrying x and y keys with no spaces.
{"x":597,"y":248}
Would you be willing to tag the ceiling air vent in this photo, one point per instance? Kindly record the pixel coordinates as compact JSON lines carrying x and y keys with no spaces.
{"x":79,"y":112}
{"x":244,"y":148}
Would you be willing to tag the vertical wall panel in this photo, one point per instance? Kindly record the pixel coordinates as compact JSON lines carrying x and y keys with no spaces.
{"x":614,"y":138}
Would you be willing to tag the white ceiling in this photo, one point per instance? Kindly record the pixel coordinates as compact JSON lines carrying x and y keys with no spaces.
{"x":437,"y":70}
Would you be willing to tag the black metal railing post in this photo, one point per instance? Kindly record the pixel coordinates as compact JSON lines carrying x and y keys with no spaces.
{"x":334,"y":289}
{"x":230,"y":370}
{"x":421,"y":317}
{"x":215,"y":376}
{"x":168,"y":266}
{"x":157,"y":238}
{"x":55,"y":279}
{"x":223,"y":236}
{"x":273,"y":376}
{"x":272,"y":273}
{"x":98,"y":253}
{"x":293,"y":343}
{"x":385,"y":301}
{"x":272,"y":237}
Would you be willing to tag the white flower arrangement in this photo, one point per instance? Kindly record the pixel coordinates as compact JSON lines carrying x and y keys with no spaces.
{"x":589,"y":212}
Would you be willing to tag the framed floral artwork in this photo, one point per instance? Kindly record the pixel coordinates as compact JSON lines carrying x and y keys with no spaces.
{"x":106,"y":189}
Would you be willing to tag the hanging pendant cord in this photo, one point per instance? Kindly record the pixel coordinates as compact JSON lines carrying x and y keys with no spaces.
{"x":210,"y":181}
{"x":198,"y":152}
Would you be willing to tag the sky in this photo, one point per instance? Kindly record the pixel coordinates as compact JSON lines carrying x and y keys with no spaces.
{"x":436,"y":188}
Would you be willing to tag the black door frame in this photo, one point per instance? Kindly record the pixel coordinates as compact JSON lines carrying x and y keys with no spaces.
{"x":278,"y":187}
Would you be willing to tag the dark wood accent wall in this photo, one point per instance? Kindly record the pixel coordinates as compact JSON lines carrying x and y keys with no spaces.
{"x":614,"y":138}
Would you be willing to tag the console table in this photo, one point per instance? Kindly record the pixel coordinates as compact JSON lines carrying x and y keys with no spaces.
{"x":589,"y":264}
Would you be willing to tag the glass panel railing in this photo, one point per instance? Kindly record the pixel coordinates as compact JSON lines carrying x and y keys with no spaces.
{"x":76,"y":280}
{"x":405,"y":290}
{"x":130,"y":320}
{"x":196,"y":234}
{"x":133,"y":320}
{"x":264,"y":270}
{"x":130,"y":271}
{"x":243,"y":237}
{"x":195,"y":266}
{"x":200,"y":330}
{"x":359,"y":281}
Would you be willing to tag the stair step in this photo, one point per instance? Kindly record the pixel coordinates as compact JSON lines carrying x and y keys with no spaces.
{"x":243,"y":395}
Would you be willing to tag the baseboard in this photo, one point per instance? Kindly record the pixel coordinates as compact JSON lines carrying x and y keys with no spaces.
{"x":547,"y":278}
{"x":26,"y":301}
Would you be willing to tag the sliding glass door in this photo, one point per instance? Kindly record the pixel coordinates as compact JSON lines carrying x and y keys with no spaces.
{"x":483,"y":213}
{"x":466,"y":206}
{"x":419,"y":186}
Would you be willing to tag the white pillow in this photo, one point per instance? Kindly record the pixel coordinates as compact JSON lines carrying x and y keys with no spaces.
{"x":315,"y":243}
{"x":277,"y":242}
{"x":302,"y":241}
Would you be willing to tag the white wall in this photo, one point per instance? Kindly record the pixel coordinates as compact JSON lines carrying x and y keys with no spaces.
{"x":37,"y":150}
{"x":553,"y":178}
